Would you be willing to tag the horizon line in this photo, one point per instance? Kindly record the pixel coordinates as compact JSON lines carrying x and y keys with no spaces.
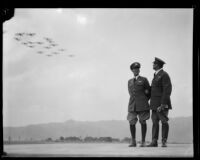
{"x":71,"y":119}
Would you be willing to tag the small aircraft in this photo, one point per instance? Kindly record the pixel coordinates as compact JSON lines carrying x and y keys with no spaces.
{"x":40,"y":52}
{"x":31,"y":46}
{"x":55,"y":53}
{"x":47,"y":47}
{"x":30,"y":42}
{"x":54,"y":44}
{"x":17,"y":39}
{"x":31,"y":34}
{"x":61,"y":49}
{"x":19,"y":34}
{"x":24,"y":43}
{"x":39,"y":42}
{"x":71,"y":55}
{"x":48,"y":39}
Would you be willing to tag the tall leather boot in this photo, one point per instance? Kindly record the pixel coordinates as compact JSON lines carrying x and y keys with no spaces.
{"x":155,"y":133}
{"x":165,"y":131}
{"x":143,"y":130}
{"x":133,"y":130}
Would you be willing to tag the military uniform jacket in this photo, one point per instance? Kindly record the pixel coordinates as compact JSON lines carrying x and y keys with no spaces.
{"x":138,"y":99}
{"x":161,"y":89}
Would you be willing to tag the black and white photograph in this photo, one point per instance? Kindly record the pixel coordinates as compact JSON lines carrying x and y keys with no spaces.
{"x":98,"y":82}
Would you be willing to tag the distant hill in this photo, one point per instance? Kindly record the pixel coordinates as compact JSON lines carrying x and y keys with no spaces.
{"x":181,"y":130}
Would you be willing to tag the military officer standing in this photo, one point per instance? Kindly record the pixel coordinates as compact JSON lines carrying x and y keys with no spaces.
{"x":160,"y":102}
{"x":139,"y":91}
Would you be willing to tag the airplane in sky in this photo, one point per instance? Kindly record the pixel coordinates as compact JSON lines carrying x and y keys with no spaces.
{"x":31,"y":46}
{"x":40,"y":42}
{"x":55,"y":53}
{"x":31,"y":34}
{"x":54,"y":44}
{"x":30,"y":42}
{"x":61,"y":49}
{"x":48,"y":39}
{"x":17,"y":39}
{"x":71,"y":55}
{"x":40,"y":52}
{"x":24,"y":43}
{"x":47,"y":47}
{"x":19,"y":34}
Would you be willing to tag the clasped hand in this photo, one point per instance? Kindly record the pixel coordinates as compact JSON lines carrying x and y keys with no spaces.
{"x":162,"y":107}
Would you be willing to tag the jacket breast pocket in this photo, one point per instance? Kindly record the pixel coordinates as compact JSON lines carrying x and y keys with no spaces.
{"x":140,"y":84}
{"x":157,"y":83}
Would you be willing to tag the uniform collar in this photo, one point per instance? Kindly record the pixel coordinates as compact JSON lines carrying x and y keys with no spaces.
{"x":158,"y":71}
{"x":137,"y":77}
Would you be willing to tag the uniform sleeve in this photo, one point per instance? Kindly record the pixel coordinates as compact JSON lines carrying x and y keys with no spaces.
{"x":167,"y":89}
{"x":147,"y":88}
{"x":129,"y":91}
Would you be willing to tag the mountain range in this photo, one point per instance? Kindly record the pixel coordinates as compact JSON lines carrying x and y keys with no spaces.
{"x":180,"y":130}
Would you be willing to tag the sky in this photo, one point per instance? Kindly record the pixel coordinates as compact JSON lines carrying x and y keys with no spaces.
{"x":87,"y":81}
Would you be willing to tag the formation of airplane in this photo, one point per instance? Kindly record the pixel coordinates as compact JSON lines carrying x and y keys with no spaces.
{"x":47,"y":44}
{"x":23,"y":33}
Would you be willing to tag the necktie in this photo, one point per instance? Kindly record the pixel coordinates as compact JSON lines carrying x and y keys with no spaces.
{"x":134,"y":80}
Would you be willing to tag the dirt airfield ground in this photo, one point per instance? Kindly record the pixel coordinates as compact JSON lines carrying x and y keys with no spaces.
{"x":97,"y":150}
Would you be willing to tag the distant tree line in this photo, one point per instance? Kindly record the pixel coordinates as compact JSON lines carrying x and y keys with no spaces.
{"x":88,"y":139}
{"x":71,"y":139}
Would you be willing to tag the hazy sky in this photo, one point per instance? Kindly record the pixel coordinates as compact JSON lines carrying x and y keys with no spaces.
{"x":92,"y":85}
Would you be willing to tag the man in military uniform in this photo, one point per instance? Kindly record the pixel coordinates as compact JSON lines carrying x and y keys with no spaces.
{"x":160,"y":102}
{"x":139,"y":91}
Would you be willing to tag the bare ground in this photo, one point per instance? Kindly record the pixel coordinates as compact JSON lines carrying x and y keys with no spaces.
{"x":97,"y":150}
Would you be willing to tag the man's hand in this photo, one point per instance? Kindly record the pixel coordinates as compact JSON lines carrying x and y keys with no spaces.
{"x":159,"y":109}
{"x":146,"y":91}
{"x":162,"y":107}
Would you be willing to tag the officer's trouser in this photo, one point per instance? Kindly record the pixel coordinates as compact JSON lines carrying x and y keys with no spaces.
{"x":163,"y":117}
